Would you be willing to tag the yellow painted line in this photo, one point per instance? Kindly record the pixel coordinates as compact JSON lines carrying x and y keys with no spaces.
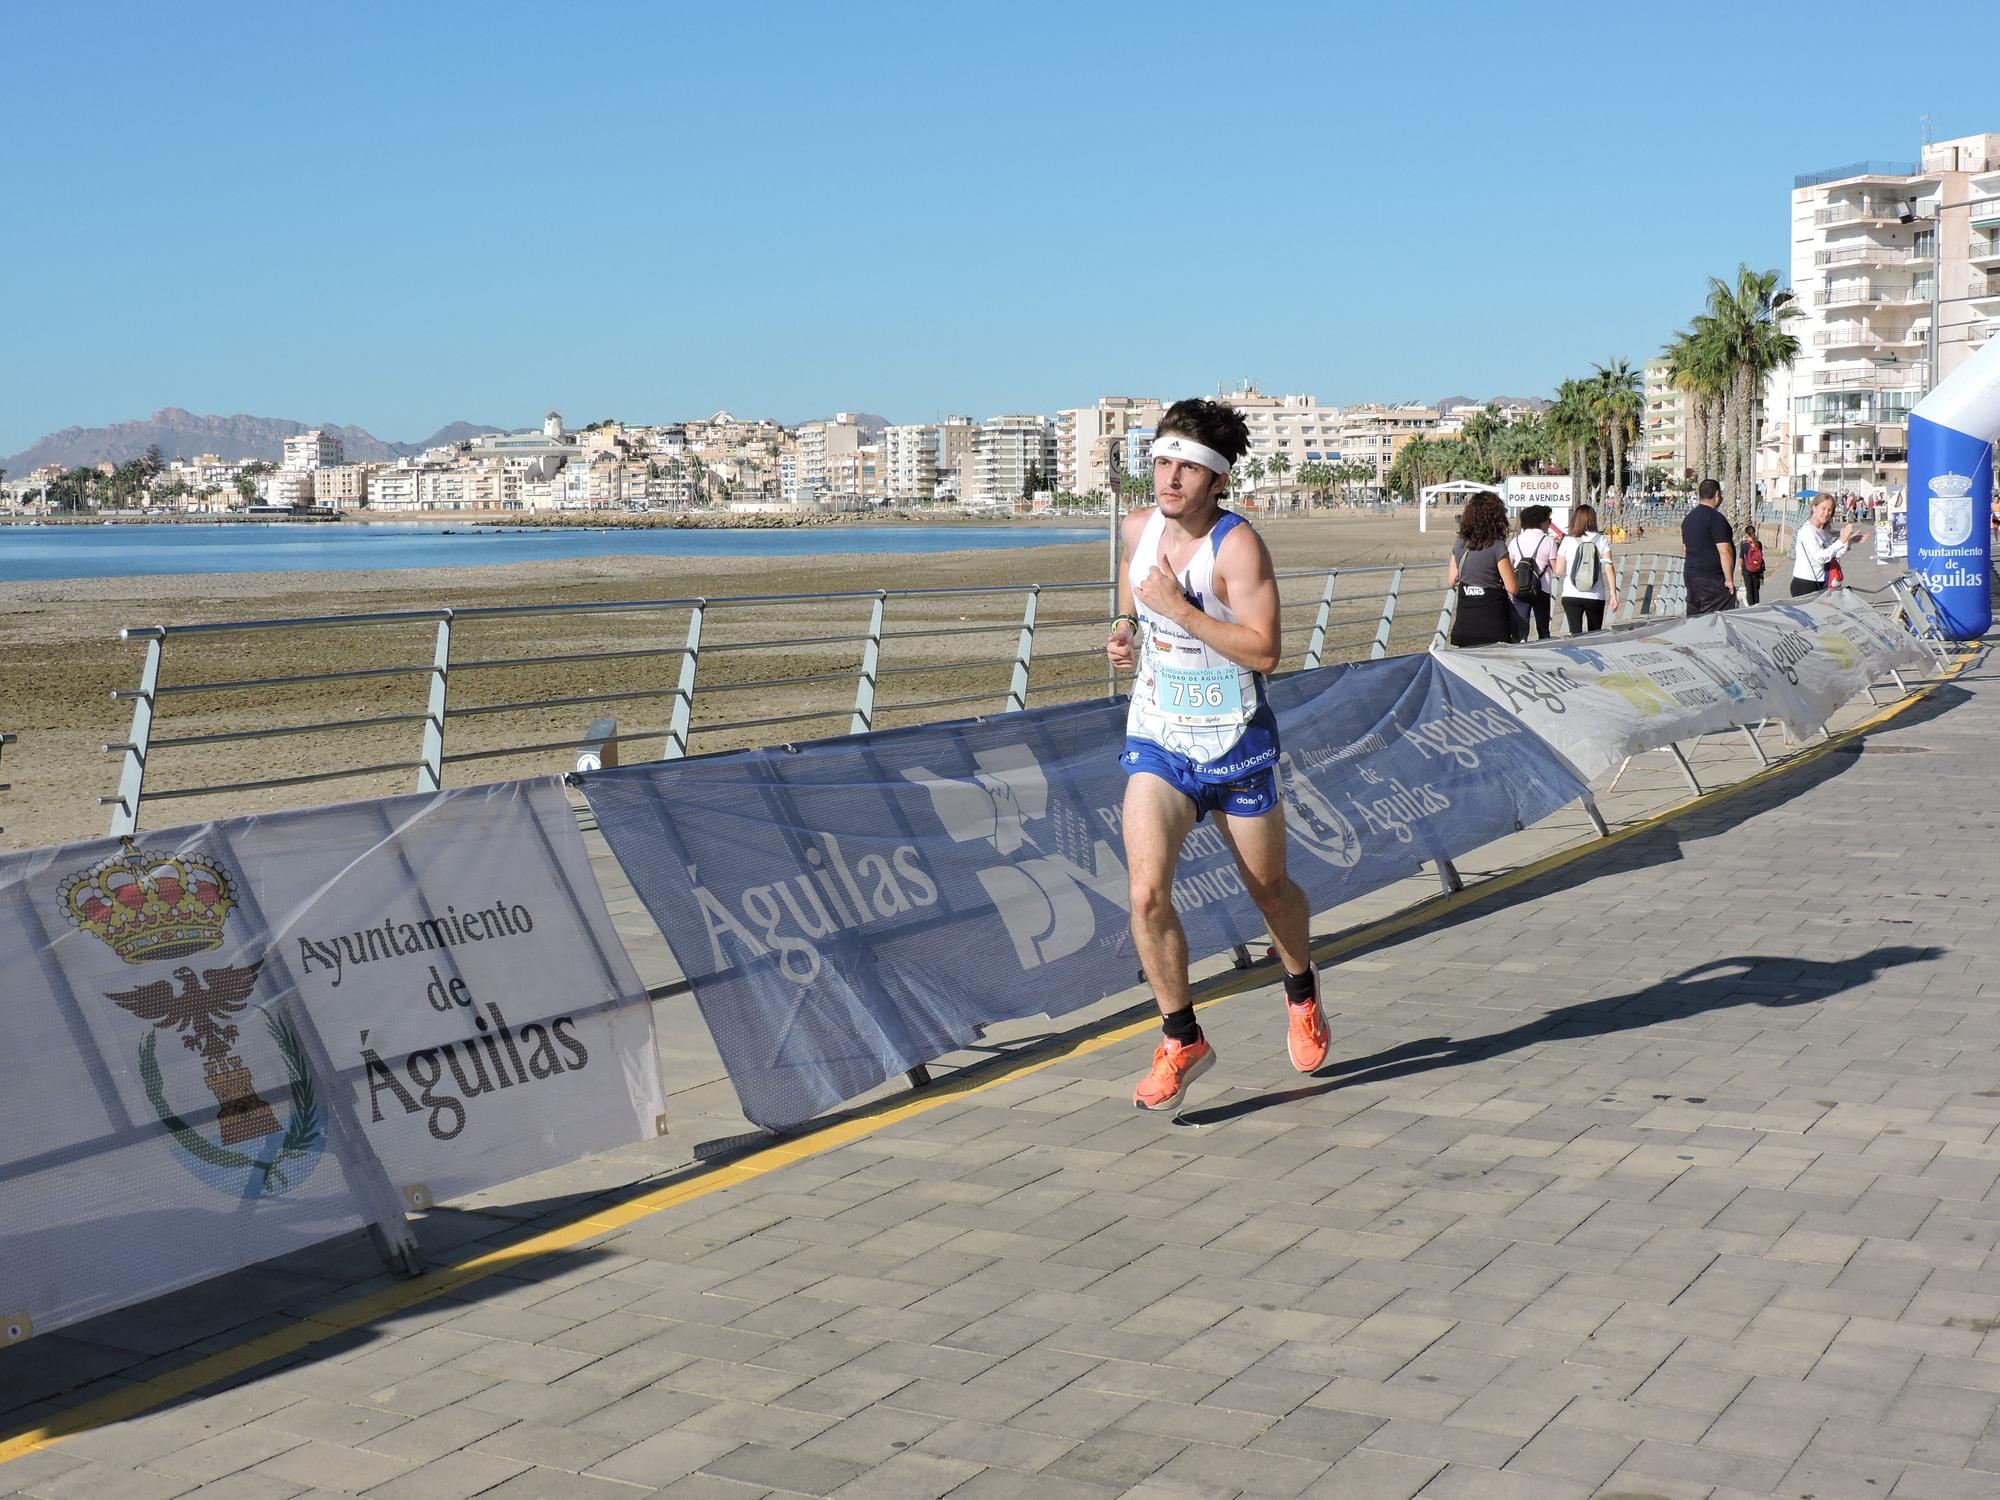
{"x":357,"y":1312}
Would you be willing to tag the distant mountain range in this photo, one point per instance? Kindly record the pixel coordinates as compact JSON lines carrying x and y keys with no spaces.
{"x":183,"y":434}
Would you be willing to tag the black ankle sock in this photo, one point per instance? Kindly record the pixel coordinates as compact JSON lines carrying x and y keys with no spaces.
{"x":1299,"y":987}
{"x":1181,"y":1026}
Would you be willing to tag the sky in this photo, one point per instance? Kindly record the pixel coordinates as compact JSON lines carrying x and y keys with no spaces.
{"x":403,"y":215}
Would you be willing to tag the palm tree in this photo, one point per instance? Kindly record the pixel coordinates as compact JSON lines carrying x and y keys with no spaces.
{"x":1279,"y":464}
{"x":1253,"y":470}
{"x":1746,"y":323}
{"x":1617,"y":404}
{"x":1317,"y":478}
{"x":1573,"y":428}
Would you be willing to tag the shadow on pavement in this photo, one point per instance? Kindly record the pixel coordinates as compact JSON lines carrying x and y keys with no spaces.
{"x":1662,"y":845}
{"x":1714,"y":985}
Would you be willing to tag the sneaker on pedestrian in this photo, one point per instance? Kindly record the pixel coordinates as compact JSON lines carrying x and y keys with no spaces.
{"x":1305,"y":1030}
{"x":1175,"y":1066}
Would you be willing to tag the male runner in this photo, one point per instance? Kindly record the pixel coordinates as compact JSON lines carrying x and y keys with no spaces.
{"x":1198,"y":618}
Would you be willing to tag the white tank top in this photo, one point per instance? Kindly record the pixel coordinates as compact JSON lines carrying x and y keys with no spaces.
{"x":1187,"y":697}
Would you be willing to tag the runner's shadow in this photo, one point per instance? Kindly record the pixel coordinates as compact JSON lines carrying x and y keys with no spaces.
{"x":1715,"y":985}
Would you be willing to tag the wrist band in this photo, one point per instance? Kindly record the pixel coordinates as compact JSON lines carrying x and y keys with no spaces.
{"x":1116,"y":618}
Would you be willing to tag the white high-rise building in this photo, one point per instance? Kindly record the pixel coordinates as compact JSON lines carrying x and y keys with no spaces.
{"x":1663,"y":430}
{"x":1891,"y":263}
{"x":311,"y":450}
{"x":1010,"y":454}
{"x":1087,"y":437}
{"x":909,"y":461}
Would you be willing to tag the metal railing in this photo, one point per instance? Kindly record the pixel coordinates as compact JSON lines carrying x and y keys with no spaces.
{"x":6,"y":739}
{"x":1864,"y":254}
{"x":1858,"y":169}
{"x":808,"y":665}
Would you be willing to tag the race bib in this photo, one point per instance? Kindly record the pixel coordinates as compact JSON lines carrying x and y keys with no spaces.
{"x":1198,"y":697}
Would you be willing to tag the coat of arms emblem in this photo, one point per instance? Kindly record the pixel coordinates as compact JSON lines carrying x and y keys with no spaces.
{"x":153,"y":908}
{"x":1951,"y":509}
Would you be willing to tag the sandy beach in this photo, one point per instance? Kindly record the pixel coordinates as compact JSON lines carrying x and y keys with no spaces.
{"x":60,"y":660}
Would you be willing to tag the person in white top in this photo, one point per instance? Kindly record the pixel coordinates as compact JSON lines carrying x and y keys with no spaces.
{"x":1533,"y":553}
{"x":1198,"y":626}
{"x":1817,"y":552}
{"x":1589,"y":581}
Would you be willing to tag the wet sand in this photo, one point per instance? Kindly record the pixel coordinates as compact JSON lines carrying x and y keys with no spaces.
{"x":60,"y":659}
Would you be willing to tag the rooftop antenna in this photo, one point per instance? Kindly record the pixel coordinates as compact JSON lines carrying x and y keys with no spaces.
{"x":1928,"y":133}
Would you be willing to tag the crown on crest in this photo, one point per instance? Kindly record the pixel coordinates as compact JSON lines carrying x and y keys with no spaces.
{"x":1951,"y":486}
{"x":148,"y":905}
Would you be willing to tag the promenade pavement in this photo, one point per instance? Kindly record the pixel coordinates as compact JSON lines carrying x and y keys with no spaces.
{"x":1665,"y":1172}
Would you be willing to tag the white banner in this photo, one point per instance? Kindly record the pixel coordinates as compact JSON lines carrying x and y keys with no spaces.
{"x":230,"y":1041}
{"x":1603,"y":697}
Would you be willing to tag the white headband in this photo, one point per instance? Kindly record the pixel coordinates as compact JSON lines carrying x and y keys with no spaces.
{"x":1176,"y":446}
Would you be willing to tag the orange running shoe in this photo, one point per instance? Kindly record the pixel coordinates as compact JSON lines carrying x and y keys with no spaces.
{"x":1175,"y":1066}
{"x":1305,"y":1030}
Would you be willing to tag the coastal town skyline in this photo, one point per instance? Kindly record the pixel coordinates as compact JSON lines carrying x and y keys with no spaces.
{"x":1014,"y":219}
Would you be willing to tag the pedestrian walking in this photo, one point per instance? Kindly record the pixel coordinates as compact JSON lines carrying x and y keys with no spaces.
{"x":1817,"y":552}
{"x":1589,"y":581}
{"x":1753,"y":565}
{"x":1710,"y":570}
{"x":1481,"y":574}
{"x":1198,"y":621}
{"x":1532,"y":552}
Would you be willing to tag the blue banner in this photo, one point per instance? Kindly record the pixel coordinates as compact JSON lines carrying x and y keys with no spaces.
{"x":850,"y":909}
{"x":1951,"y":492}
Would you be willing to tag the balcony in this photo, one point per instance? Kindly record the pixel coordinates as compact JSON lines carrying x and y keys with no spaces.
{"x":1898,"y":378}
{"x":1983,"y":288}
{"x":1866,"y":255}
{"x":1985,"y":249}
{"x":1867,"y":211}
{"x":1985,"y":211}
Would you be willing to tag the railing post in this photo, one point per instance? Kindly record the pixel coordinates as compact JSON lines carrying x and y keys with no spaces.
{"x":682,"y":715}
{"x":871,"y":663}
{"x":1381,"y":647}
{"x":1318,"y":642}
{"x":6,"y":739}
{"x":430,"y":772}
{"x":132,"y":775}
{"x":1024,"y":655}
{"x":1447,"y":613}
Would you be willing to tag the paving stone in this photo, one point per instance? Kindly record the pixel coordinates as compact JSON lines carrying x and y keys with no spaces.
{"x":329,"y":1466}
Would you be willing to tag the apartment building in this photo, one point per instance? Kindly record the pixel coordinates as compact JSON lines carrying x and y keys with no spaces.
{"x":1663,"y":423}
{"x":1296,"y":426}
{"x":910,"y":461}
{"x":1891,"y":264}
{"x":1012,"y":455}
{"x":343,"y":487}
{"x":957,"y":450}
{"x":1088,"y":438}
{"x":293,"y":487}
{"x":1374,"y":435}
{"x":817,"y":444}
{"x":311,"y":450}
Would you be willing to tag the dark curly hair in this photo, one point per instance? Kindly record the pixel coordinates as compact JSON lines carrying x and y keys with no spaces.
{"x":1209,"y":423}
{"x":1483,"y":522}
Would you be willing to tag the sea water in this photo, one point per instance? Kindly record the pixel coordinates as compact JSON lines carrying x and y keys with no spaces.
{"x":34,"y":553}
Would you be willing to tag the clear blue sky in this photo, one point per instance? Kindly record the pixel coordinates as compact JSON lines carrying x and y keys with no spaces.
{"x":400,"y":215}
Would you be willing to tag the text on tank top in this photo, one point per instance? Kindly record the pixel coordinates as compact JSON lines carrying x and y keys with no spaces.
{"x":1188,"y":696}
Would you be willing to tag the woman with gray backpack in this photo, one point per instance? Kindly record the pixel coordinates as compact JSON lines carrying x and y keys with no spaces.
{"x":1589,"y":581}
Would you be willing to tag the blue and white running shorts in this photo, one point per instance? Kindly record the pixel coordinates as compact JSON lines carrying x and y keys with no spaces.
{"x":1247,"y":795}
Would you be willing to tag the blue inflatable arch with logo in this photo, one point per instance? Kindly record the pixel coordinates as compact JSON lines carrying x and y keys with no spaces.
{"x":1952,"y":432}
